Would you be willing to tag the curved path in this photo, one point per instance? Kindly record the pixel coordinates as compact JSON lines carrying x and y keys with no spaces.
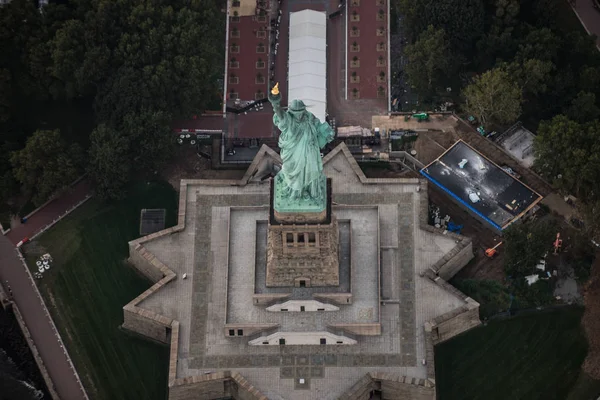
{"x":38,"y":321}
{"x":49,"y":212}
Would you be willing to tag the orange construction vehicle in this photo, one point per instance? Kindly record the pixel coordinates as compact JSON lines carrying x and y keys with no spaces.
{"x":491,"y":252}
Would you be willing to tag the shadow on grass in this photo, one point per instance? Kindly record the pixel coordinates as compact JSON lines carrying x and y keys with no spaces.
{"x":526,"y":357}
{"x":89,"y":284}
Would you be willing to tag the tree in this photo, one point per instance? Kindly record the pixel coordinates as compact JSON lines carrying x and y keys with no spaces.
{"x":46,"y":164}
{"x":568,"y":155}
{"x":427,"y":60}
{"x":5,"y":94}
{"x":525,"y":244}
{"x":539,"y":44}
{"x":151,"y":139}
{"x":68,"y":49}
{"x":583,"y":108}
{"x":534,"y":76}
{"x":109,"y":166}
{"x":462,"y":20}
{"x":493,"y":98}
{"x":498,"y":41}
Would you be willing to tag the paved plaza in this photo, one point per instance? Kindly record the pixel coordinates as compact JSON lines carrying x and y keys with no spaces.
{"x":384,"y":255}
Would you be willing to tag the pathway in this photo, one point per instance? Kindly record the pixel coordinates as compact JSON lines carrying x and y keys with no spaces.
{"x":39,"y":323}
{"x":50,"y":212}
{"x":589,"y":17}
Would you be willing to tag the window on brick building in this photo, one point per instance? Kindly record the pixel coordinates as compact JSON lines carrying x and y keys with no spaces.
{"x":233,"y":79}
{"x":355,"y":3}
{"x":235,"y":32}
{"x":381,"y":61}
{"x":260,"y":79}
{"x":380,"y":15}
{"x":261,"y":48}
{"x":381,"y":46}
{"x":355,"y":62}
{"x":233,"y":63}
{"x":259,"y":95}
{"x":355,"y":47}
{"x":260,"y":64}
{"x":355,"y":17}
{"x":234,"y":48}
{"x":354,"y":32}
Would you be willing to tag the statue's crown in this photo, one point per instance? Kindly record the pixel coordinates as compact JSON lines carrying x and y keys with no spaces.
{"x":297,"y":105}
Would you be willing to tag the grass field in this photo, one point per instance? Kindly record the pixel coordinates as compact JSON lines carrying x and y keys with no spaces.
{"x":88,"y":285}
{"x":535,"y":356}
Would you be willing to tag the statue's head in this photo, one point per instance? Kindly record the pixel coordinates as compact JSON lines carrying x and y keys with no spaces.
{"x":297,"y":108}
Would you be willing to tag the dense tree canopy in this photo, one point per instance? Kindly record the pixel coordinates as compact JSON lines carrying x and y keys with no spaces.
{"x":428,"y":60}
{"x":493,"y":98}
{"x":139,"y":63}
{"x":108,"y":166}
{"x":568,"y":155}
{"x":46,"y":164}
{"x":525,"y":244}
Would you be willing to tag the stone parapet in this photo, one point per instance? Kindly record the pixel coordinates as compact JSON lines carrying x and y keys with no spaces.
{"x":200,"y":387}
{"x":361,"y":390}
{"x":247,"y":329}
{"x":359,"y":329}
{"x":335,"y":298}
{"x":391,"y":386}
{"x":269,"y":298}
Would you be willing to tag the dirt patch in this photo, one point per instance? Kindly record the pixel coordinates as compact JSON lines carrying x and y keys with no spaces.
{"x":591,"y":321}
{"x":483,"y":237}
{"x":432,"y":144}
{"x":189,"y":165}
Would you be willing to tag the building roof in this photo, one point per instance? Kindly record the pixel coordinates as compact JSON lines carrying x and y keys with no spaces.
{"x":502,"y":198}
{"x":307,"y":60}
{"x":518,"y":141}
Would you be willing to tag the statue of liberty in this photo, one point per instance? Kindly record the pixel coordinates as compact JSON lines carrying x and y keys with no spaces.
{"x":301,"y":179}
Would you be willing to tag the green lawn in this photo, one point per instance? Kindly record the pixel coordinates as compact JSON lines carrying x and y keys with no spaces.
{"x":535,"y":356}
{"x":88,"y":286}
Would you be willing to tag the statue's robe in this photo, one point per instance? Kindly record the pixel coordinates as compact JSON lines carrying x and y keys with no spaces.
{"x":302,"y":137}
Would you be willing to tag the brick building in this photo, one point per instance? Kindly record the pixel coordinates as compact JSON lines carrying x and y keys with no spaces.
{"x":368,"y":48}
{"x":248,"y":50}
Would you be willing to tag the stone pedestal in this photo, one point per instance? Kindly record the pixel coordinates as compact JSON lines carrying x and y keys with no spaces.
{"x":302,"y":247}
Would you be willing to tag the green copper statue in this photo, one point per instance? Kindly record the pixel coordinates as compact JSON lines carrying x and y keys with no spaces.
{"x":301,"y":184}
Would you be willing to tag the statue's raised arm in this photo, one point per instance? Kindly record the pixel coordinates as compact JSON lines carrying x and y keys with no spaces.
{"x":275,"y":100}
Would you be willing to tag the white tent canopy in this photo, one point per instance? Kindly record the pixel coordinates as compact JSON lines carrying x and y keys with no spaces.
{"x":307,"y":60}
